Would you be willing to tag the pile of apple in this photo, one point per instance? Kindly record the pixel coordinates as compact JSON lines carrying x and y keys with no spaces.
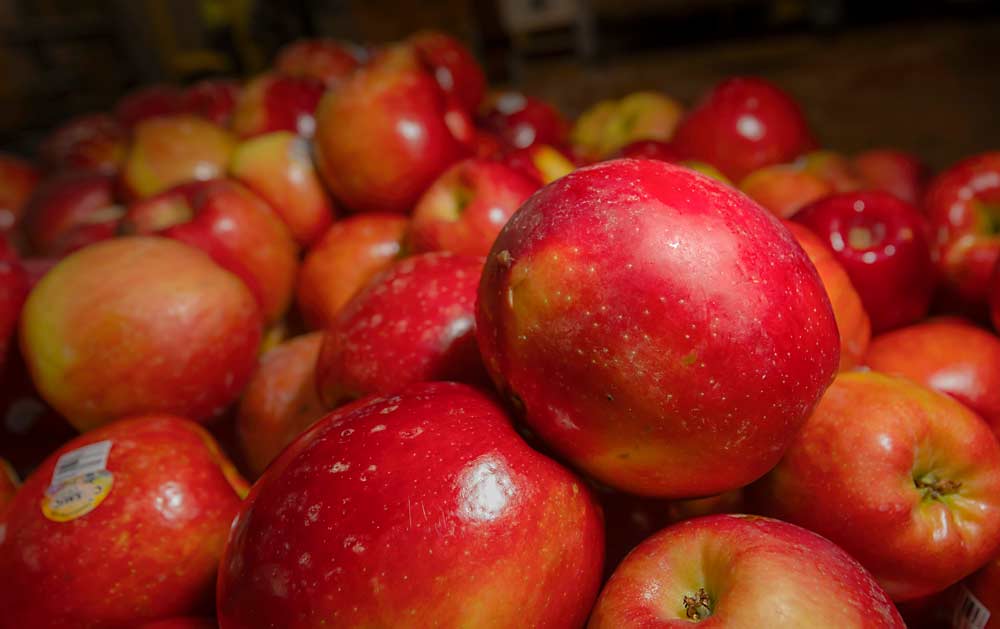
{"x":488,"y":368}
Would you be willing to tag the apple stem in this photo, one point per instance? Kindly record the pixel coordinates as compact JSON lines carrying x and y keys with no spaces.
{"x":934,"y":488}
{"x":693,"y":605}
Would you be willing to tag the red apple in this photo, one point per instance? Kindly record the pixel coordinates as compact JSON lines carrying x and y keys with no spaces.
{"x":902,"y":174}
{"x":784,"y":189}
{"x":72,"y":210}
{"x":340,"y":264}
{"x":976,"y":605}
{"x":181,"y":623}
{"x":280,"y":401}
{"x":949,"y":355}
{"x":422,"y":509}
{"x":326,"y":60}
{"x":650,"y":149}
{"x":95,"y":142}
{"x":213,"y":99}
{"x":382,"y":138}
{"x":18,"y":179}
{"x":881,"y":242}
{"x":656,"y":327}
{"x":742,"y":571}
{"x":905,"y":479}
{"x":743,"y":124}
{"x":169,"y":151}
{"x":453,"y":66}
{"x":832,"y":167}
{"x":963,"y":207}
{"x":608,"y":126}
{"x":8,"y":484}
{"x":464,"y":210}
{"x":278,"y":167}
{"x":235,"y":227}
{"x":13,"y":290}
{"x":522,"y":121}
{"x":414,"y":322}
{"x":133,"y":532}
{"x":852,"y":320}
{"x":275,"y":102}
{"x":148,"y":102}
{"x":543,"y":163}
{"x":139,"y":325}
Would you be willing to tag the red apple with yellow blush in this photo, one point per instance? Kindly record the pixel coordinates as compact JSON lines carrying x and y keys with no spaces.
{"x":18,"y":178}
{"x":784,"y":189}
{"x":900,"y":173}
{"x":275,"y":102}
{"x":325,"y":60}
{"x":212,"y":99}
{"x":93,"y":142}
{"x":543,"y":163}
{"x":71,"y":210}
{"x":453,"y":66}
{"x":522,"y":121}
{"x":145,"y":103}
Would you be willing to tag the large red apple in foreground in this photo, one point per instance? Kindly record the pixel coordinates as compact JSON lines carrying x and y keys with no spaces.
{"x":905,"y":479}
{"x":742,"y":571}
{"x":419,"y":509}
{"x":656,"y":327}
{"x":132,"y":531}
{"x":139,"y":325}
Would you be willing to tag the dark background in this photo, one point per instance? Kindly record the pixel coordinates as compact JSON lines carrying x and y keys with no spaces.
{"x":919,"y":75}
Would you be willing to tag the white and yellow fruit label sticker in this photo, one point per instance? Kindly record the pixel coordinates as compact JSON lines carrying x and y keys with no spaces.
{"x":80,"y":482}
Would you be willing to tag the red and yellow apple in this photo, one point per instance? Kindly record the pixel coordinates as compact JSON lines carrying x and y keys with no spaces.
{"x":275,"y":102}
{"x":609,"y":126}
{"x":784,"y":189}
{"x":896,"y":172}
{"x":543,"y":163}
{"x":212,"y":99}
{"x":18,"y":178}
{"x":72,"y":210}
{"x":326,"y":60}
{"x":146,"y":103}
{"x":93,"y":142}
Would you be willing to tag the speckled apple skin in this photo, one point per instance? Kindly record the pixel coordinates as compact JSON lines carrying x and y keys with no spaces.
{"x":657,"y":328}
{"x":149,"y":550}
{"x":758,"y":573}
{"x":419,"y":509}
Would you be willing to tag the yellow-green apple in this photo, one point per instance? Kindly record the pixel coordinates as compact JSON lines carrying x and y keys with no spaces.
{"x":832,"y":167}
{"x":348,"y":255}
{"x":18,"y":178}
{"x":8,"y":484}
{"x":71,"y":210}
{"x":278,"y":167}
{"x":656,"y":327}
{"x":171,"y":150}
{"x":326,"y":60}
{"x":522,"y":121}
{"x":13,"y":290}
{"x":904,"y":478}
{"x":276,"y":102}
{"x":280,"y":401}
{"x":414,"y":322}
{"x":148,"y":102}
{"x":139,"y":325}
{"x":742,"y":571}
{"x":465,"y":208}
{"x":122,"y":525}
{"x":543,"y":163}
{"x":784,"y":189}
{"x":235,"y":227}
{"x":453,"y":66}
{"x":743,"y":124}
{"x":963,"y":207}
{"x":638,"y":116}
{"x":852,"y":320}
{"x":423,"y":508}
{"x":95,"y":142}
{"x":949,"y":355}
{"x":881,"y":242}
{"x":382,"y":137}
{"x":900,"y":173}
{"x":213,"y":99}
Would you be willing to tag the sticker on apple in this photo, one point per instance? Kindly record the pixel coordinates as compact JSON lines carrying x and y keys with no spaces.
{"x":80,"y":483}
{"x":970,"y":613}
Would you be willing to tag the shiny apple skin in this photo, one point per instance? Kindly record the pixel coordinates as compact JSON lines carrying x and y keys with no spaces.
{"x":784,"y":189}
{"x":280,"y":401}
{"x":949,"y":355}
{"x":18,"y":178}
{"x":71,"y":210}
{"x":92,"y":142}
{"x":326,"y":60}
{"x":743,"y":124}
{"x":891,"y":268}
{"x":169,"y":151}
{"x":634,"y":308}
{"x":465,"y":208}
{"x":146,"y":103}
{"x":852,"y":320}
{"x":543,"y":163}
{"x":139,"y":325}
{"x":963,"y":207}
{"x":8,"y":484}
{"x":13,"y":290}
{"x":454,"y":67}
{"x":414,"y":322}
{"x":852,"y":476}
{"x":274,"y":102}
{"x":893,"y":171}
{"x":149,"y":550}
{"x":381,"y":137}
{"x":339,"y":265}
{"x":232,"y":225}
{"x":212,"y":99}
{"x":431,"y":497}
{"x":522,"y":121}
{"x":757,"y":573}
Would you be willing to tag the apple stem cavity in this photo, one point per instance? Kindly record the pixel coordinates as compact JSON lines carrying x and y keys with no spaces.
{"x":698,"y":606}
{"x":934,"y":488}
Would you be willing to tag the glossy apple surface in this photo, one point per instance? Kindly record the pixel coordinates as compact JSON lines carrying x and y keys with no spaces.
{"x":522,"y":121}
{"x":212,"y":99}
{"x":326,"y":60}
{"x":893,"y":171}
{"x":784,"y":189}
{"x":93,"y":142}
{"x":348,"y":255}
{"x":18,"y":178}
{"x":71,"y":210}
{"x":488,"y":533}
{"x":949,"y":355}
{"x":743,"y":124}
{"x":465,"y":208}
{"x":274,"y":102}
{"x":234,"y":226}
{"x":453,"y":66}
{"x":881,"y":242}
{"x":657,"y":328}
{"x":543,"y":163}
{"x":280,"y":401}
{"x":139,"y":325}
{"x":150,"y":549}
{"x":414,"y":322}
{"x":278,"y":167}
{"x":905,"y":479}
{"x":742,"y":571}
{"x":146,"y":103}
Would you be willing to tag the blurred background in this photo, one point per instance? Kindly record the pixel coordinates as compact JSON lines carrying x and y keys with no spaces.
{"x":920,"y":75}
